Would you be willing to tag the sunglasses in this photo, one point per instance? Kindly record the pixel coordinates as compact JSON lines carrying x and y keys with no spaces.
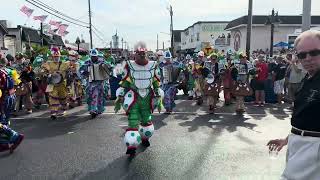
{"x":312,"y":53}
{"x":141,"y":53}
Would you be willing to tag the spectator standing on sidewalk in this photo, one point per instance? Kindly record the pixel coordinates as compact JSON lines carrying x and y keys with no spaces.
{"x":303,"y":160}
{"x":262,"y":76}
{"x":297,"y":73}
{"x":279,"y":77}
{"x":287,"y":76}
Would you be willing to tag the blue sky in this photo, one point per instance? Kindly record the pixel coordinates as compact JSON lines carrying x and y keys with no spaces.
{"x":143,"y":19}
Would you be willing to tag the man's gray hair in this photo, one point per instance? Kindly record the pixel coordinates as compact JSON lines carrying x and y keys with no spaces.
{"x":140,"y":45}
{"x":312,"y":33}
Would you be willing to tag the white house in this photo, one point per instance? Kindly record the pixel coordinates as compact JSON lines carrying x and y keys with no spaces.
{"x":261,"y":33}
{"x":194,"y":37}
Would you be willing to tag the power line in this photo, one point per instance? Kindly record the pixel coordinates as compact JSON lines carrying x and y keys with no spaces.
{"x":102,"y":39}
{"x":56,"y":15}
{"x":40,"y":3}
{"x":98,"y":31}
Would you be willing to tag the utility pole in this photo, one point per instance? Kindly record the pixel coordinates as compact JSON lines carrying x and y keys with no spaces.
{"x":41,"y":33}
{"x":163,"y":45}
{"x":111,"y":47}
{"x":122,"y":43}
{"x":171,"y":30}
{"x":90,"y":25}
{"x":249,"y":28}
{"x":157,"y":42}
{"x":272,"y":32}
{"x":306,"y":15}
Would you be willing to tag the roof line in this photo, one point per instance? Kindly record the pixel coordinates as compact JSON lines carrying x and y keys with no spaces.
{"x":199,"y":22}
{"x":243,"y":20}
{"x":241,"y":25}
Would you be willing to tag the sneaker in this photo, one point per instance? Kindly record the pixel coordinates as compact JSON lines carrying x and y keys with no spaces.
{"x":53,"y":117}
{"x":93,"y":115}
{"x":131,"y":151}
{"x":256,"y":104}
{"x":17,"y":143}
{"x":29,"y":111}
{"x":145,"y":142}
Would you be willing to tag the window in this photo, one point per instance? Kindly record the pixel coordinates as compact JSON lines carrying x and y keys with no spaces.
{"x":198,"y":36}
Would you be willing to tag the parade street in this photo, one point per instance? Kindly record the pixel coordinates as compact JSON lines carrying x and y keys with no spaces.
{"x":189,"y":144}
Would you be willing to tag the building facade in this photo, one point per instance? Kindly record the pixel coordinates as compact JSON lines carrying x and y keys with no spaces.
{"x":177,"y":40}
{"x":261,"y":33}
{"x":3,"y":32}
{"x":194,"y":37}
{"x":21,"y":38}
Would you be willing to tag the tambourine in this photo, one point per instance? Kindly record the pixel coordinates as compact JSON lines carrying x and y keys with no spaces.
{"x":55,"y":78}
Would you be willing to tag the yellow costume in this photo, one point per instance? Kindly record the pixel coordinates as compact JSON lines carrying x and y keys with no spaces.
{"x":57,"y":91}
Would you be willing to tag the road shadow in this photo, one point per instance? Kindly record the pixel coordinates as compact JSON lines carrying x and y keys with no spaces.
{"x":187,"y":106}
{"x":124,"y":167}
{"x":183,"y":117}
{"x":280,"y":112}
{"x":218,"y":122}
{"x":41,"y":128}
{"x":158,"y":120}
{"x":257,"y":112}
{"x":118,"y":169}
{"x":5,"y":154}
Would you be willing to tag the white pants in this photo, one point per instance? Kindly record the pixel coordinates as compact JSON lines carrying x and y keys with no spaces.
{"x":279,"y":87}
{"x":303,"y":158}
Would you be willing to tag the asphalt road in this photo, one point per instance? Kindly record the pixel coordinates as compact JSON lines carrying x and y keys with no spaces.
{"x":189,"y":144}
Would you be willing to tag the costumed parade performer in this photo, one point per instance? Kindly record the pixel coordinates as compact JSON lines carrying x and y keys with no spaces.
{"x":9,"y":139}
{"x":189,"y":77}
{"x":212,"y":84}
{"x":27,"y":77}
{"x":74,"y":81}
{"x":97,"y":72}
{"x":159,"y":56}
{"x":199,"y":77}
{"x":184,"y":75}
{"x":170,"y":78}
{"x":227,"y":81}
{"x":57,"y":87}
{"x":40,"y":82}
{"x":242,"y":87}
{"x":24,"y":87}
{"x":139,"y":94}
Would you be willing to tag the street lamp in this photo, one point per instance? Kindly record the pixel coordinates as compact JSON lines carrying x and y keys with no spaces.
{"x":272,"y":20}
{"x":78,"y":43}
